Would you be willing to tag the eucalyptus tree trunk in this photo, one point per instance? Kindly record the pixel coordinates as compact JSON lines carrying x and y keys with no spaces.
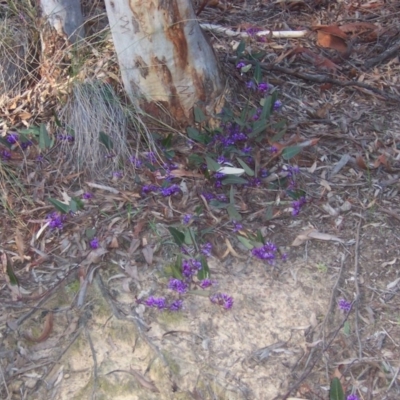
{"x":65,"y":16}
{"x":166,"y":61}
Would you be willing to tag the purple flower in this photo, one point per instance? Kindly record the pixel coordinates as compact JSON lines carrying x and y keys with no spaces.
{"x":297,"y":205}
{"x":263,"y":87}
{"x":12,"y":138}
{"x":176,"y":305}
{"x":265,"y":252}
{"x":277,"y":105}
{"x":344,"y":305}
{"x":170,"y":190}
{"x":205,"y":283}
{"x":136,"y":161}
{"x":254,"y":182}
{"x":284,"y":257}
{"x":206,"y":249}
{"x":56,"y":220}
{"x":218,"y":184}
{"x":177,"y":285}
{"x":151,"y":157}
{"x":146,"y":189}
{"x":263,"y":173}
{"x":208,"y":196}
{"x":156,"y":302}
{"x":190,"y":268}
{"x":221,"y":159}
{"x":5,"y":155}
{"x":247,"y":149}
{"x":117,"y":174}
{"x":273,"y":149}
{"x":222,"y":299}
{"x":66,"y":138}
{"x":187,"y":218}
{"x":257,"y":114}
{"x":94,"y":243}
{"x":26,"y":144}
{"x":221,"y":197}
{"x":251,"y":85}
{"x":352,"y":397}
{"x":219,"y":175}
{"x":237,"y":226}
{"x":87,"y":195}
{"x":252,"y":31}
{"x":240,"y":65}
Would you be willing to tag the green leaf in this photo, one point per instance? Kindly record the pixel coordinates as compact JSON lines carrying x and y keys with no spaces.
{"x":90,"y":233}
{"x":258,"y":127}
{"x":199,"y":116}
{"x":257,"y":73}
{"x":240,"y":48}
{"x":336,"y":390}
{"x":61,"y":207}
{"x":106,"y":140}
{"x":232,"y":195}
{"x":260,"y":237}
{"x":218,"y":204}
{"x":347,"y":328}
{"x":76,"y":204}
{"x":267,"y":108}
{"x":233,"y":213}
{"x":166,"y":142}
{"x":178,"y":236}
{"x":5,"y":143}
{"x":296,"y":194}
{"x":212,"y":165}
{"x":177,"y":267}
{"x":234,"y":180}
{"x":10,"y":272}
{"x":246,"y":68}
{"x":246,"y":168}
{"x":269,"y":213}
{"x":195,"y":134}
{"x":44,"y":138}
{"x":290,"y":152}
{"x":204,"y":273}
{"x":245,"y":242}
{"x":195,"y":160}
{"x":188,"y":238}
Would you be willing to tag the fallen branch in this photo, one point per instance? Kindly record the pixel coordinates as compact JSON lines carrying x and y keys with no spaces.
{"x":322,"y":79}
{"x":275,"y":34}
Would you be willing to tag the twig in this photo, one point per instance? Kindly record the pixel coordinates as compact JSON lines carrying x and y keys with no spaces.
{"x":5,"y":383}
{"x":356,"y":251}
{"x":275,"y":34}
{"x":95,"y":375}
{"x":321,"y":79}
{"x":392,"y":51}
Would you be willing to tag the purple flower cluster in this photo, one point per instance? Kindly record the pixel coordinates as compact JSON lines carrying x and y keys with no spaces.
{"x":66,"y":138}
{"x":5,"y":155}
{"x":87,"y":195}
{"x":206,"y":249}
{"x":240,"y":65}
{"x":206,"y":283}
{"x":352,"y":397}
{"x":166,"y":191}
{"x":263,"y":87}
{"x":151,"y":157}
{"x":190,"y":268}
{"x":187,"y":218}
{"x":177,"y":285}
{"x":266,"y":252}
{"x":344,"y":305}
{"x":94,"y":243}
{"x":222,"y":299}
{"x":233,"y":134}
{"x":277,"y":105}
{"x":161,"y":303}
{"x":297,"y":205}
{"x":56,"y":220}
{"x":236,"y":226}
{"x":12,"y":138}
{"x":137,"y":163}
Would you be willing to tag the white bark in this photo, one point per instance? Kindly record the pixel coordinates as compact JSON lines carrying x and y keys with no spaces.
{"x":164,"y":57}
{"x":65,"y":16}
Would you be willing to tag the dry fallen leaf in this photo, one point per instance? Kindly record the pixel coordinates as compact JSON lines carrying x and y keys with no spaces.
{"x":314,"y":234}
{"x":331,"y":36}
{"x":148,"y":254}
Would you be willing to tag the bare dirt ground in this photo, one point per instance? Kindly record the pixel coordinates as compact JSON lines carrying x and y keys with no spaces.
{"x":74,"y":327}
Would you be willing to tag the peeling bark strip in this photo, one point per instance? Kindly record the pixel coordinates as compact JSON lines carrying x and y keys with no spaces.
{"x":164,"y":56}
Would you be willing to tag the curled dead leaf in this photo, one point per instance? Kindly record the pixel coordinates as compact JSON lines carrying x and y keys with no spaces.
{"x":331,"y":36}
{"x":48,"y":327}
{"x":314,"y":234}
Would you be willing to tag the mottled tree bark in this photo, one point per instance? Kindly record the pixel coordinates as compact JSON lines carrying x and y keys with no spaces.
{"x":166,"y":60}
